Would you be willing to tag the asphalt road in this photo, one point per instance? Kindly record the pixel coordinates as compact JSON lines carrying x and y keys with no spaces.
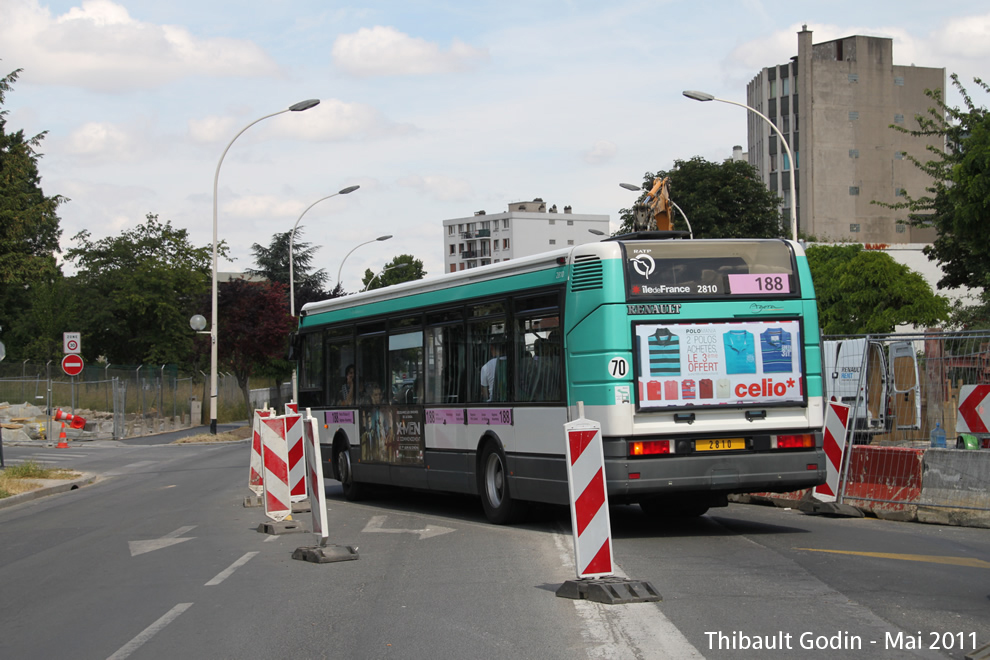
{"x":160,"y":559}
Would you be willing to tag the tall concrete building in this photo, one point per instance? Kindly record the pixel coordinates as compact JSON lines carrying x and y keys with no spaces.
{"x":835,"y":102}
{"x":526,"y":228}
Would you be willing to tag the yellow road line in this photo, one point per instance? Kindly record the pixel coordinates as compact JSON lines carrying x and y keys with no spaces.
{"x":931,"y":559}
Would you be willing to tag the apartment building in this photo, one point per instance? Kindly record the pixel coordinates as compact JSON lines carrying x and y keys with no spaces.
{"x":835,"y":102}
{"x":525,"y":228}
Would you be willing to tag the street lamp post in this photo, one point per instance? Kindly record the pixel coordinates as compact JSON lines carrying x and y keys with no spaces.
{"x":292,"y":285}
{"x":341,"y":269}
{"x":383,"y":271}
{"x":704,"y":96}
{"x":292,"y":237}
{"x":297,"y":107}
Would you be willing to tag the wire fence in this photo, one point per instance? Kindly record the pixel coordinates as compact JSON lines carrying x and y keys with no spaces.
{"x":915,"y":400}
{"x":121,"y":401}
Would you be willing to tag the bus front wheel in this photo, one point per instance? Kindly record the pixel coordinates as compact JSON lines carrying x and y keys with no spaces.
{"x":493,"y":484}
{"x":352,"y":490}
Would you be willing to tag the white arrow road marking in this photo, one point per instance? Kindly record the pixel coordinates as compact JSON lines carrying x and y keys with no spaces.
{"x":172,"y":538}
{"x":376,"y":522}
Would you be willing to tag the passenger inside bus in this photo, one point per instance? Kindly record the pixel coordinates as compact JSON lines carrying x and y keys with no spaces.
{"x":346,"y":396}
{"x":493,"y":375}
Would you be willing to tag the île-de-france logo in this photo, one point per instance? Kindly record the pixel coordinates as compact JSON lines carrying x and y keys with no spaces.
{"x":644,"y":265}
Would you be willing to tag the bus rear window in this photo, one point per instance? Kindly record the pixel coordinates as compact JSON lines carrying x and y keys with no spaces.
{"x":709,"y":269}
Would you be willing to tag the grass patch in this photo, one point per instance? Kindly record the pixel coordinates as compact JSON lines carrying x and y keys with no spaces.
{"x":17,"y":479}
{"x":227,"y":436}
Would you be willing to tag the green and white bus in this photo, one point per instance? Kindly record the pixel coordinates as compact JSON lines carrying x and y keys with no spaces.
{"x":701,"y":360}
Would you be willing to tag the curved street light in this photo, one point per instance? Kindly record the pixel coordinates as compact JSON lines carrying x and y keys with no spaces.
{"x":383,"y":271}
{"x":705,"y":96}
{"x":341,"y":269}
{"x":296,"y":107}
{"x":292,"y":237}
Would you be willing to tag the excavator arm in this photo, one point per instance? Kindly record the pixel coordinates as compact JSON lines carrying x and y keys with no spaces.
{"x":656,"y":212}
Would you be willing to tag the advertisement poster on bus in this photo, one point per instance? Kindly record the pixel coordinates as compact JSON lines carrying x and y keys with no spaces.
{"x":709,"y":364}
{"x":409,"y":437}
{"x":392,"y":435}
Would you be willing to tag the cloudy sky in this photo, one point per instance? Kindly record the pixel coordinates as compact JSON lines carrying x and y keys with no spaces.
{"x":435,"y":108}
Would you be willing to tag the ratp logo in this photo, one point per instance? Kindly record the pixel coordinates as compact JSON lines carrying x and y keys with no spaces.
{"x":644,"y":265}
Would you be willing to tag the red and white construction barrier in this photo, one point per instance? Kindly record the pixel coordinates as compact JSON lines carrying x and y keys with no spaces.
{"x":292,"y":409}
{"x":314,"y":475}
{"x":275,"y":454}
{"x":297,"y":459}
{"x":255,"y":478}
{"x":589,"y":500}
{"x":836,"y":423}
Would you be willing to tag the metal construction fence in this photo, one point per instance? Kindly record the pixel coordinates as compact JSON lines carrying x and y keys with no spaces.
{"x":122,"y":401}
{"x":905,"y":392}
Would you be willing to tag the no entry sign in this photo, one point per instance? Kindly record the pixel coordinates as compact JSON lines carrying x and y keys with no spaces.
{"x":72,"y":365}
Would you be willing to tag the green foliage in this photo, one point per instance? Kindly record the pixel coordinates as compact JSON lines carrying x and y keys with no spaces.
{"x":958,"y":200}
{"x":29,"y":222}
{"x":720,"y":200}
{"x":403,"y":268}
{"x":139,"y":290}
{"x":273,"y":265}
{"x":864,"y":291}
{"x":253,"y":330}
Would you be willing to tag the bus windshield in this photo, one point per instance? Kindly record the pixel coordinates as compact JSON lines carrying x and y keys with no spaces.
{"x":668,"y":269}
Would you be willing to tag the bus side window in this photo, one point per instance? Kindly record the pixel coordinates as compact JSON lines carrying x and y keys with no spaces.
{"x":489,"y":368}
{"x":446,"y":364}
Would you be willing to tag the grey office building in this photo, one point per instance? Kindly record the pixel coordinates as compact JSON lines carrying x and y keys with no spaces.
{"x":835,"y":103}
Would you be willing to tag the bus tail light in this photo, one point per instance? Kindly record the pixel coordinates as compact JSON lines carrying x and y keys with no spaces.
{"x":649,"y":448}
{"x":804,"y":441}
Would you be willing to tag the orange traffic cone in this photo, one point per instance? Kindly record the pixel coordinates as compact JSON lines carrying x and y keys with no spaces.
{"x":62,"y":440}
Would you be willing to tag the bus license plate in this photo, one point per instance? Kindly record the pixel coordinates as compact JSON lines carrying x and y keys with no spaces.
{"x":720,"y":444}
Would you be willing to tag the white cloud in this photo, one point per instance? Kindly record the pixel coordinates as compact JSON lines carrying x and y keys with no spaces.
{"x":967,"y":36}
{"x":100,"y":46}
{"x":211,"y":129}
{"x":101,"y":140}
{"x":336,"y":120}
{"x":440,"y":188}
{"x":262,"y":206}
{"x":384,"y":51}
{"x":602,"y":152}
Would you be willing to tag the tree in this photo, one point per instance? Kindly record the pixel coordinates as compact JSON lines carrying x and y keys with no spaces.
{"x":403,"y":268}
{"x":29,"y":222}
{"x":720,"y":200}
{"x":141,"y":288}
{"x":957,"y":202}
{"x":273,"y":265}
{"x":253,"y":330}
{"x":865,"y":291}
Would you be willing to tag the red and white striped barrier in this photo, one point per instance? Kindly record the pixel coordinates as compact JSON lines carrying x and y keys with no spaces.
{"x":314,"y":475}
{"x":589,"y":500}
{"x":297,"y":456}
{"x":836,"y":422}
{"x":278,"y":505}
{"x":292,"y":409}
{"x":255,"y":478}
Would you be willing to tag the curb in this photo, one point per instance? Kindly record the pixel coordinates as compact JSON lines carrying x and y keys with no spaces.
{"x":44,"y":491}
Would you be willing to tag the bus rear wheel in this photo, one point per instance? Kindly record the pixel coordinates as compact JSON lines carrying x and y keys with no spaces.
{"x":352,"y":490}
{"x":493,"y":484}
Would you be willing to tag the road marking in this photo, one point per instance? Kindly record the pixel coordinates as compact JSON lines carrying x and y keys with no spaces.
{"x":227,"y":572}
{"x":149,"y":632}
{"x":931,"y":559}
{"x":129,"y":468}
{"x":637,"y":631}
{"x":376,"y":522}
{"x":172,"y":538}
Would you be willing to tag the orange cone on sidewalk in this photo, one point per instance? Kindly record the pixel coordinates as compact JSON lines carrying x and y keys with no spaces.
{"x":62,"y":440}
